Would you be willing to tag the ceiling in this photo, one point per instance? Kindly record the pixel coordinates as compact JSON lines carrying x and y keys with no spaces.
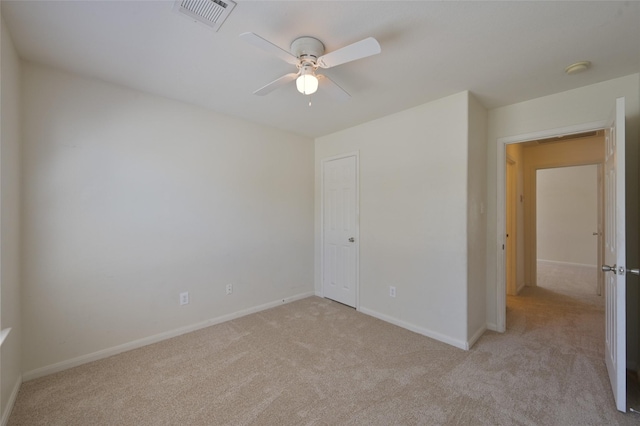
{"x":503,"y":52}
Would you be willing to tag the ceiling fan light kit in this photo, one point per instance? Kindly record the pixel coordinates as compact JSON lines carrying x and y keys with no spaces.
{"x":307,"y":50}
{"x":307,"y":82}
{"x":307,"y":54}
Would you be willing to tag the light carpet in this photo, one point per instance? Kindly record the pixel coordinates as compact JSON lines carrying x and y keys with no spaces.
{"x":567,"y":277}
{"x":317,"y":362}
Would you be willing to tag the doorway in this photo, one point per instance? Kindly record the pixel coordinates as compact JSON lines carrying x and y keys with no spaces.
{"x":615,"y":233}
{"x":523,"y":161}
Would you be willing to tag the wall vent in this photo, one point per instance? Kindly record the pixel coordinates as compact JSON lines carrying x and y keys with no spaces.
{"x":212,"y":13}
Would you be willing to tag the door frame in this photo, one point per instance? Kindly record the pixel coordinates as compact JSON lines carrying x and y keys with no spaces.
{"x":355,"y":154}
{"x":600,"y":286}
{"x":501,"y":290}
{"x":511,"y":249}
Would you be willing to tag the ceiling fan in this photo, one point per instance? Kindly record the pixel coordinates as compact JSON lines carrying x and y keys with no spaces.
{"x":307,"y":54}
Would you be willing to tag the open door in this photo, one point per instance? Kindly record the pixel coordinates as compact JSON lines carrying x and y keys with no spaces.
{"x":614,"y":256}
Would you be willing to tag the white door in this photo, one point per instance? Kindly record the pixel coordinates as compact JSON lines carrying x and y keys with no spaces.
{"x":339,"y":221}
{"x":614,"y":256}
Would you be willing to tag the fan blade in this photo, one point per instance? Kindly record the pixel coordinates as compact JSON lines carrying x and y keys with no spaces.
{"x":332,"y":88}
{"x":265,"y":90}
{"x":263,"y":44}
{"x":358,"y":50}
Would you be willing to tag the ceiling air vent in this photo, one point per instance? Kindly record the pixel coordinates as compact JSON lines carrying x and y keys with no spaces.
{"x":209,"y":12}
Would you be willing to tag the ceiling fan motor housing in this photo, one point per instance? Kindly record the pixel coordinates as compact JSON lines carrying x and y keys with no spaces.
{"x":307,"y":48}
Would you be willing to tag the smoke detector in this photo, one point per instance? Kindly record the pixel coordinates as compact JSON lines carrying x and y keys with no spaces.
{"x":212,"y":13}
{"x":577,"y":67}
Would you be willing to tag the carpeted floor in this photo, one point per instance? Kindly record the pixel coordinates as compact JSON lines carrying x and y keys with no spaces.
{"x":317,"y":362}
{"x":567,"y":277}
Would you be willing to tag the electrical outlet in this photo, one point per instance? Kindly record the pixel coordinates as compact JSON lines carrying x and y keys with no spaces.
{"x":229,"y":288}
{"x":184,"y":298}
{"x":392,"y":291}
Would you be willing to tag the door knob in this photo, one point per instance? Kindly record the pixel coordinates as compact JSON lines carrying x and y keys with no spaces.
{"x":595,"y":233}
{"x":351,"y":239}
{"x":633,"y":271}
{"x":607,"y":268}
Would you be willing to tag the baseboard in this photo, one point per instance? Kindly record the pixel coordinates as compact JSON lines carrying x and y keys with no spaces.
{"x":105,"y":353}
{"x":425,"y":332}
{"x":556,"y":262}
{"x":478,"y":334}
{"x":493,"y":327}
{"x":11,"y":402}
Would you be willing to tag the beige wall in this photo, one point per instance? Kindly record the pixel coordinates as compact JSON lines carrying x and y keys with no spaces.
{"x":131,"y":199}
{"x":415,"y":201}
{"x":10,"y":212}
{"x":476,"y":229}
{"x":567,"y":215}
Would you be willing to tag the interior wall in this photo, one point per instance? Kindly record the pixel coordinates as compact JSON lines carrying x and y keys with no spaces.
{"x":130,"y":199}
{"x":567,"y":215}
{"x":413,"y":215}
{"x":10,"y":159}
{"x":476,"y":229}
{"x":587,"y":104}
